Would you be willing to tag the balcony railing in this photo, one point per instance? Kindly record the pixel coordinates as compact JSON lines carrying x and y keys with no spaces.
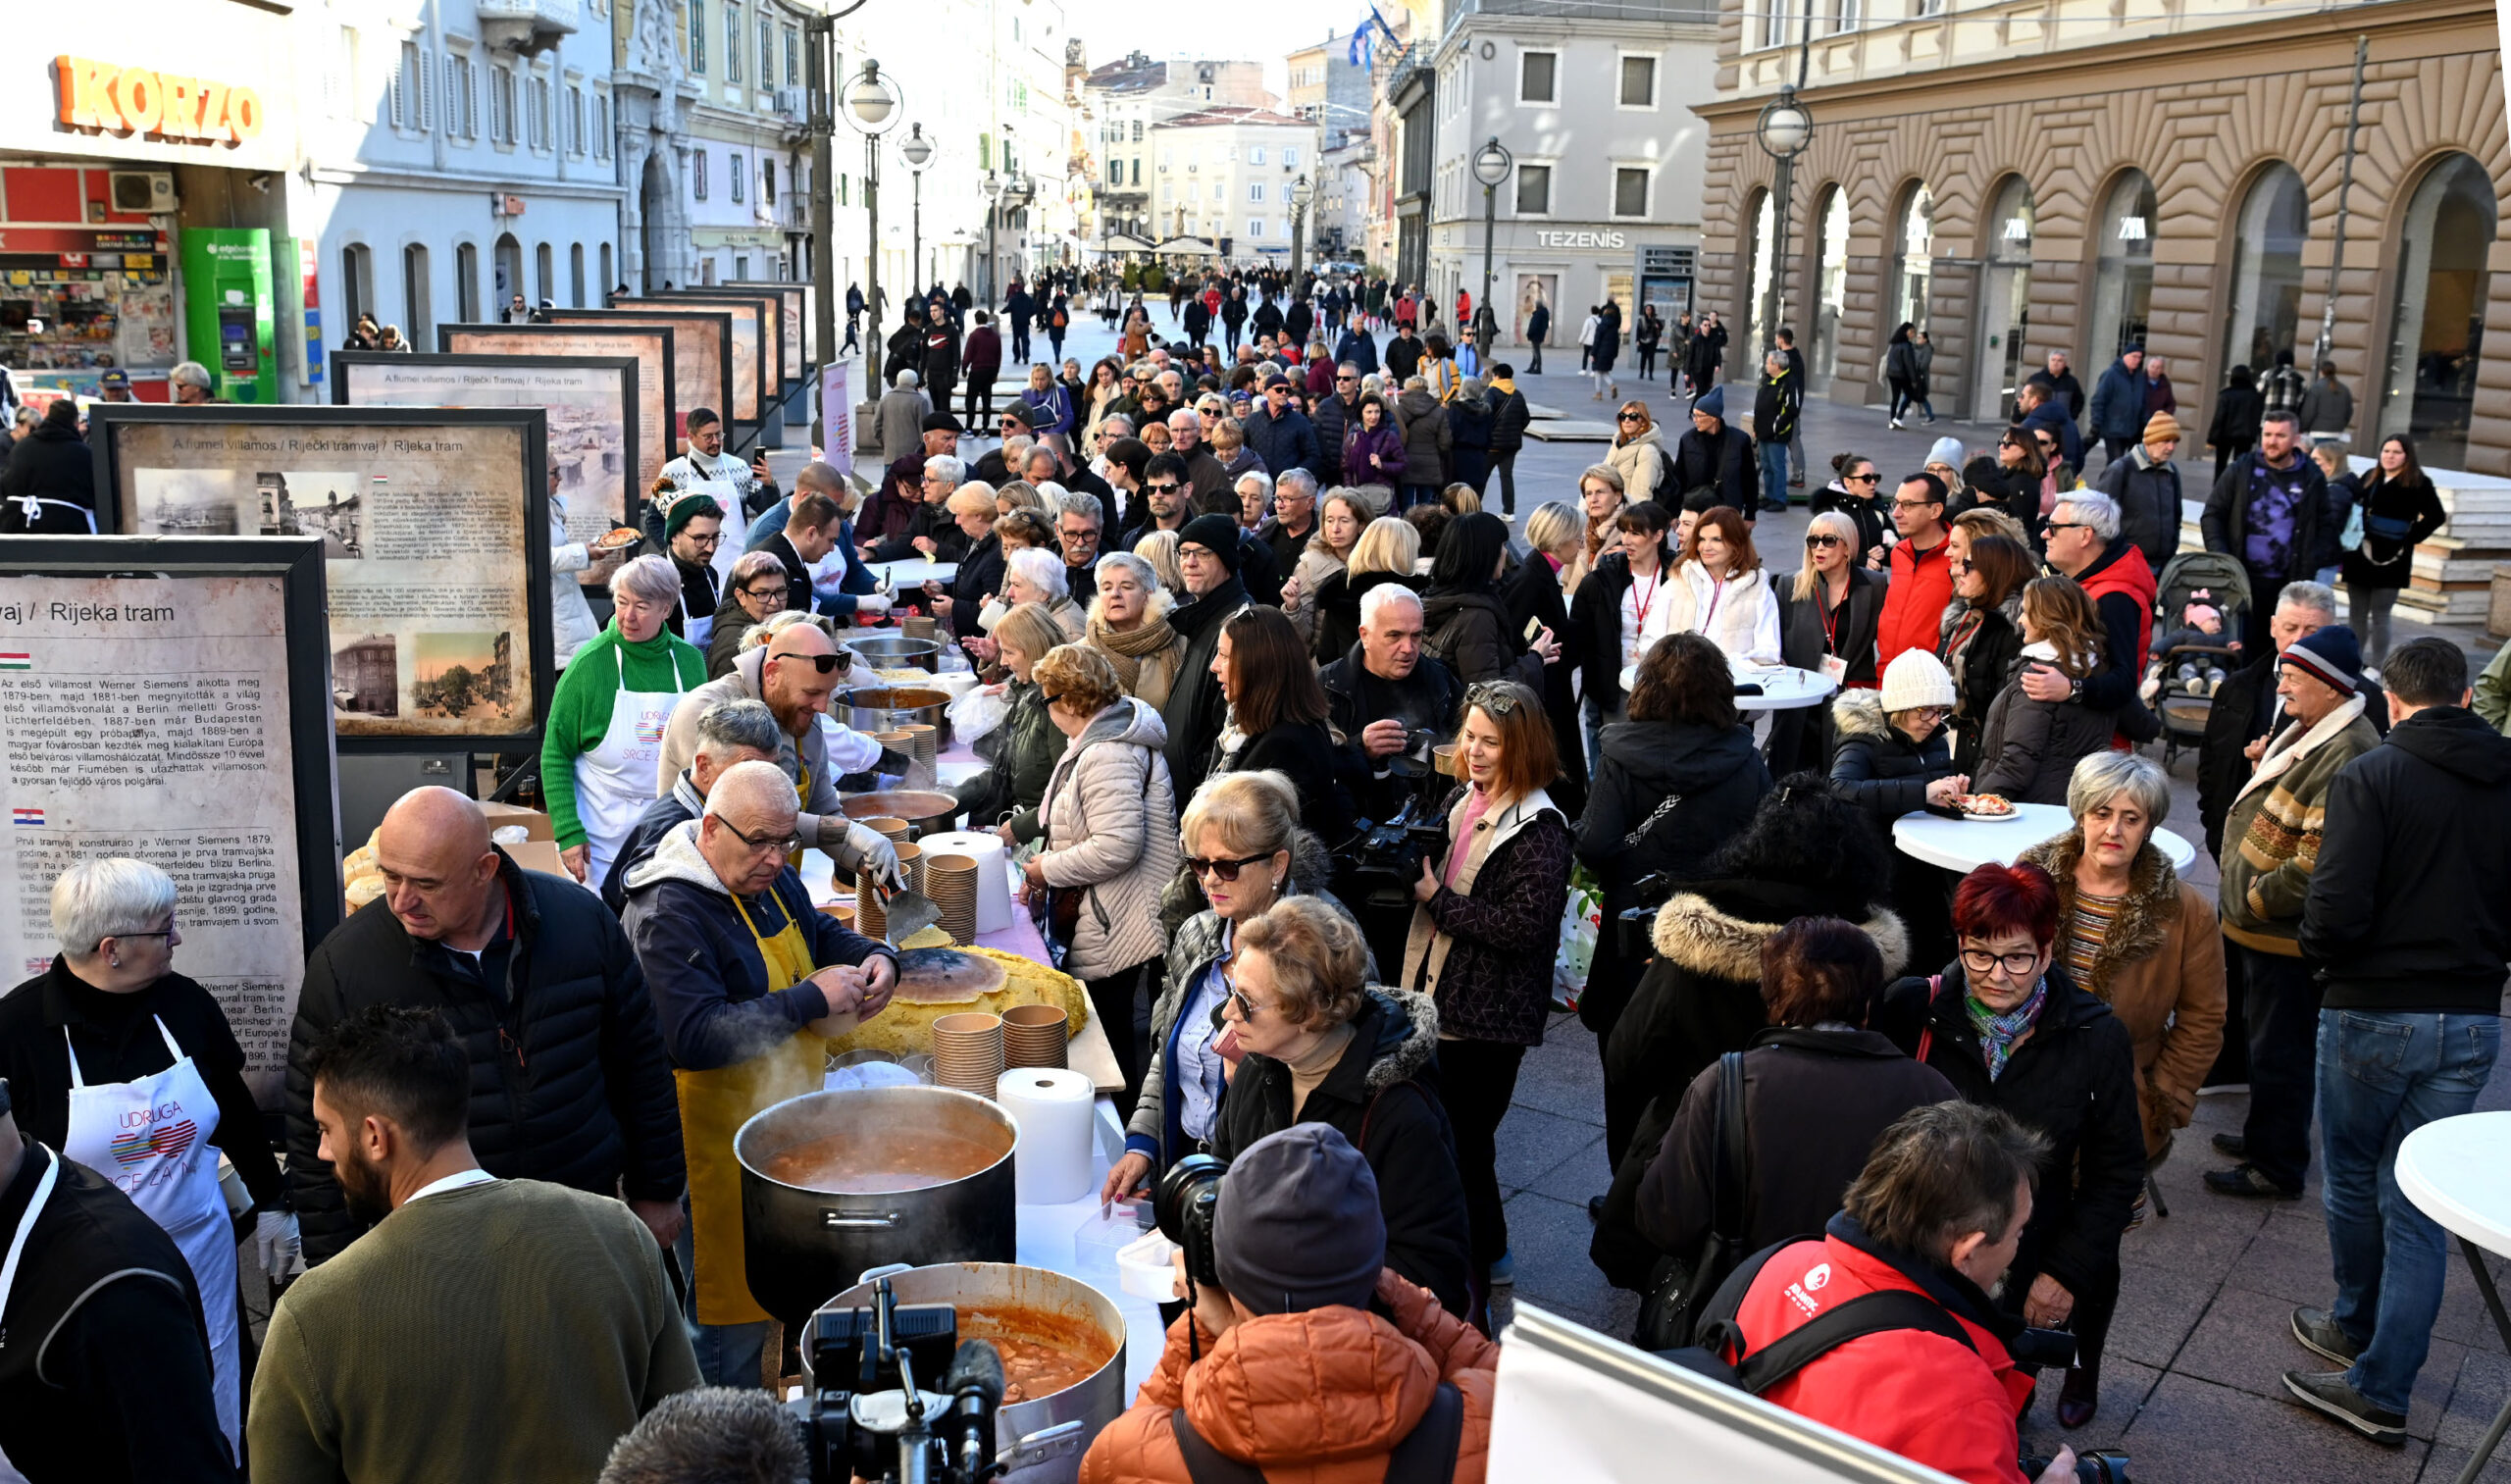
{"x":528,"y":27}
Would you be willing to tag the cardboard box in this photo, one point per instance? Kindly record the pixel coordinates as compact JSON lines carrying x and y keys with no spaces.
{"x":540,"y":855}
{"x":532,"y":820}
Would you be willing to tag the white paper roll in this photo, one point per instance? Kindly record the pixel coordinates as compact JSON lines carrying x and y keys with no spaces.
{"x":1053,"y":1108}
{"x":993,"y":872}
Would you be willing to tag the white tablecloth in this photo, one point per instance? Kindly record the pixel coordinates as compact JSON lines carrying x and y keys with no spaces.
{"x":1963,"y":845}
{"x":1784,"y":688}
{"x":2458,"y":1172}
{"x":913,"y":572}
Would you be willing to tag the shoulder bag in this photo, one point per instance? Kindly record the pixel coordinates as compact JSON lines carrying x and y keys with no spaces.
{"x":1056,"y":910}
{"x":1679,"y":1288}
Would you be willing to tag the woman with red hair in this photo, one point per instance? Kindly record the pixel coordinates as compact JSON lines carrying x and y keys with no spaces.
{"x":2009,"y":1029}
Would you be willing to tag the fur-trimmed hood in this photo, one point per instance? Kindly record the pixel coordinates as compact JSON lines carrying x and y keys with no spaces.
{"x":1698,"y":935}
{"x":1859,"y":713}
{"x":1407,"y":1033}
{"x":2144,"y":918}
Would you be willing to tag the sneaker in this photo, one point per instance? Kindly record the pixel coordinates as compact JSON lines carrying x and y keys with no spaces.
{"x":2328,"y":1392}
{"x":2245,"y":1180}
{"x":2233,"y":1145}
{"x":1896,"y":424}
{"x":2317,"y":1333}
{"x":1503,"y":1273}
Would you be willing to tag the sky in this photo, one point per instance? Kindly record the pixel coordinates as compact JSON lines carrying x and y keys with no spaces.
{"x":1110,"y":28}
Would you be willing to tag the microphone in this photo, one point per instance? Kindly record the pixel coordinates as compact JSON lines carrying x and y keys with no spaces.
{"x":975,"y":1384}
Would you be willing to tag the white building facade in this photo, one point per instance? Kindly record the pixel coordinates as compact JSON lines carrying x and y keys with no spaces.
{"x":1227,"y":175}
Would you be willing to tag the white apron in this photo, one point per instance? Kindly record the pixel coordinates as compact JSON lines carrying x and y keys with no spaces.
{"x":150,"y":1138}
{"x":615,"y":780}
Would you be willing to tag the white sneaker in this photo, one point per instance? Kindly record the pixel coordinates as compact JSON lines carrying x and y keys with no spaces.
{"x":1896,"y":423}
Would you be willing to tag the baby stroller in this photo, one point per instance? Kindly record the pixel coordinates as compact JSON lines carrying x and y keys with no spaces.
{"x":2190,"y":661}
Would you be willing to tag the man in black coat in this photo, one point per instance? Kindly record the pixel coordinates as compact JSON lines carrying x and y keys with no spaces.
{"x":569,"y":1081}
{"x":1385,"y":690}
{"x":52,"y":465}
{"x":1208,"y":553}
{"x":1335,"y":412}
{"x":1717,"y":455}
{"x":1508,"y":418}
{"x":1019,"y":309}
{"x":2266,"y":510}
{"x":2058,"y":381}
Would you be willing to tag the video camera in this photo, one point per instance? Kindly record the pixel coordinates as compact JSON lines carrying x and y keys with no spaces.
{"x":1384,"y":858}
{"x":862,"y":1413}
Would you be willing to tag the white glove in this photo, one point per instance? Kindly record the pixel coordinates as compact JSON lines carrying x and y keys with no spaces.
{"x":872,"y":602}
{"x":277,"y":1245}
{"x":870,"y":852}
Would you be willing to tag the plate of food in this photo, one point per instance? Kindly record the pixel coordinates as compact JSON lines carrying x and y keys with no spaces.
{"x":1985,"y":806}
{"x":618,"y":539}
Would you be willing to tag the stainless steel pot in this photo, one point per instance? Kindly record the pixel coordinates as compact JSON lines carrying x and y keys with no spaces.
{"x":926,"y":811}
{"x":894,"y":651}
{"x":1043,"y":1438}
{"x":799,"y":1245}
{"x":886,"y":708}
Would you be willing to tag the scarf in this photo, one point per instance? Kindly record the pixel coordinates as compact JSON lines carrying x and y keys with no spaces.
{"x":1127,"y":648}
{"x":1504,"y":384}
{"x":1998,"y":1033}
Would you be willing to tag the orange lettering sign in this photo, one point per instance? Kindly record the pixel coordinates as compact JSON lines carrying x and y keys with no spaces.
{"x":103,"y":99}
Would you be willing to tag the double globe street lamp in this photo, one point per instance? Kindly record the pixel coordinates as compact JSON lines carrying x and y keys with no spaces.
{"x":1784,"y":129}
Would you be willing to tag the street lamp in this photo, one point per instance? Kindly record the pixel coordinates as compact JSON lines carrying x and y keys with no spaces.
{"x":918,"y":152}
{"x":1491,"y":165}
{"x":872,"y":106}
{"x":992,"y":189}
{"x":1298,"y":223}
{"x":1784,"y":129}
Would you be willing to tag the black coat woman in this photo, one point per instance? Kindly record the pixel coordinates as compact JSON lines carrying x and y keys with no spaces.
{"x":1827,"y":616}
{"x":1981,"y":639}
{"x":1277,"y":713}
{"x":1892,"y":758}
{"x":2008,"y":1028}
{"x":1467,"y":620}
{"x":2399,"y":510}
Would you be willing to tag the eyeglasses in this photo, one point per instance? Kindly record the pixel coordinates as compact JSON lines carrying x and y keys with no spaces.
{"x":1234,"y":995}
{"x":1901,"y":504}
{"x":1345,"y":380}
{"x":1860,"y":479}
{"x":2057,"y":525}
{"x":1226,"y":870}
{"x":694,"y":538}
{"x":1496,"y":700}
{"x":1821,"y":542}
{"x":1981,"y":961}
{"x":774,"y":595}
{"x":765,"y":845}
{"x":824,"y":663}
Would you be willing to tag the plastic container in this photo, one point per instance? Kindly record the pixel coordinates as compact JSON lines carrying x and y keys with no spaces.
{"x":1097,"y":1239}
{"x":1145,"y":1268}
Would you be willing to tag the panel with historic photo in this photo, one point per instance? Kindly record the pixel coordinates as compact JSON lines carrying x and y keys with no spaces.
{"x":314,"y":502}
{"x":191,"y":502}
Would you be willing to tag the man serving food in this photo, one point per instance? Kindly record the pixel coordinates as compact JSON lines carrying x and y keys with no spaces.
{"x":749,"y":982}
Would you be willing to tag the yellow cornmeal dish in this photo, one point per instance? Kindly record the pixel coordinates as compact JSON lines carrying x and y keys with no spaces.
{"x":906,"y":1026}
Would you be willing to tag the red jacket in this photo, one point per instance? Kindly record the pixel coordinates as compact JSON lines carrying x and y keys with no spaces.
{"x":1911,"y":1393}
{"x":1914,"y":605}
{"x":983,"y":354}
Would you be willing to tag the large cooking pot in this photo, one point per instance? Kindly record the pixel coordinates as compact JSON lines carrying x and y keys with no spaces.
{"x":926,"y":811}
{"x":886,"y":708}
{"x":893,"y":651}
{"x":799,"y":1245}
{"x":1042,"y":1437}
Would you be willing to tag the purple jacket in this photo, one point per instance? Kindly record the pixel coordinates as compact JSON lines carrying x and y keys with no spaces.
{"x":1051,"y":410}
{"x":1386,"y":441}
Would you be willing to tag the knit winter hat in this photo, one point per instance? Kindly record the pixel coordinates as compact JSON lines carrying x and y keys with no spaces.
{"x":686,"y":508}
{"x":2160,"y":428}
{"x":2331,"y":655}
{"x":1298,"y":1225}
{"x":1946,"y":451}
{"x":1216,"y":534}
{"x":1713,"y":402}
{"x":1915,"y":678}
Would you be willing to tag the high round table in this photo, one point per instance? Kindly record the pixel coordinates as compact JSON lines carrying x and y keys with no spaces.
{"x":1965,"y":844}
{"x":912,"y":572}
{"x":1784,"y":688}
{"x":2458,"y":1172}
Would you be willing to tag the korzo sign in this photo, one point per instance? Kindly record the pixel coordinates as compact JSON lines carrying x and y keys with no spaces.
{"x":133,"y":100}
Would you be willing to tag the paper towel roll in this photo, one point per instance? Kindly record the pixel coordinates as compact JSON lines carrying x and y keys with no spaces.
{"x":993,"y":872}
{"x":1053,"y":1108}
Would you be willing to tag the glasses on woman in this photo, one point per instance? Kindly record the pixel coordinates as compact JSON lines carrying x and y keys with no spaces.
{"x":1627,"y":417}
{"x":1492,"y":699}
{"x":1866,"y":478}
{"x":1821,"y":542}
{"x":1226,"y":870}
{"x":1237,"y":997}
{"x":774,"y":595}
{"x":1981,"y":961}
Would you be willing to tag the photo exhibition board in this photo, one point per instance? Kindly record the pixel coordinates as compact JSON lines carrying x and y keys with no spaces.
{"x":795,"y":299}
{"x":752,"y":384}
{"x":653,"y":346}
{"x":768,"y":316}
{"x":701,"y":355}
{"x":161,"y":699}
{"x":436,"y":538}
{"x":592,"y":404}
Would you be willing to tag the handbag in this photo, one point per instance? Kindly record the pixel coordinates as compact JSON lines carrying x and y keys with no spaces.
{"x":1678,"y":1289}
{"x":1056,"y":910}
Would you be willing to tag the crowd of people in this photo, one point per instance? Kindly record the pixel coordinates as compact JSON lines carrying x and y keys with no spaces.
{"x":1320,"y":746}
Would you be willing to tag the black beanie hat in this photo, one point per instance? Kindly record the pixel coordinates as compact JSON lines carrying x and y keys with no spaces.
{"x":1215,"y":534}
{"x":1298,"y":1225}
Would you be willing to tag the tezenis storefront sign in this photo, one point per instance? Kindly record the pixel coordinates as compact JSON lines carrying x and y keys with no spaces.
{"x":133,"y":100}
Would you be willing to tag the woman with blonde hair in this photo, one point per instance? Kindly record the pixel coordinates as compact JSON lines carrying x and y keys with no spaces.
{"x":2029,"y":748}
{"x":1601,"y":496}
{"x":1128,"y":622}
{"x":1159,"y":550}
{"x":1828,"y":615}
{"x":980,"y":575}
{"x":1018,"y":494}
{"x":1731,"y":599}
{"x":1539,"y":594}
{"x":1340,"y":519}
{"x":1389,"y":548}
{"x":1638,"y":452}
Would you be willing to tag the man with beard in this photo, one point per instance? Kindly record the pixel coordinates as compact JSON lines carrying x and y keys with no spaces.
{"x":406,"y":1358}
{"x":692,"y":528}
{"x":533,"y":975}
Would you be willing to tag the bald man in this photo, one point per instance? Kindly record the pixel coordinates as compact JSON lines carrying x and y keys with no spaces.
{"x":795,"y":672}
{"x":569,"y":1081}
{"x":748,"y":983}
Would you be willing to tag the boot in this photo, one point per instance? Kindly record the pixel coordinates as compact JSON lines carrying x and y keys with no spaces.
{"x":2080,"y":1397}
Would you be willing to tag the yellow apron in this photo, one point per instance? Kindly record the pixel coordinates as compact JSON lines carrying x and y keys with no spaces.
{"x":802,"y":799}
{"x":713,"y":1106}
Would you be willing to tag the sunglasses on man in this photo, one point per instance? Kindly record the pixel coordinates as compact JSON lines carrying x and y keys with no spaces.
{"x":1169,"y":488}
{"x":823,"y":663}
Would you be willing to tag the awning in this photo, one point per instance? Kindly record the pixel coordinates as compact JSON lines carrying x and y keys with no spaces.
{"x":1120,"y":242}
{"x":1187,"y":247}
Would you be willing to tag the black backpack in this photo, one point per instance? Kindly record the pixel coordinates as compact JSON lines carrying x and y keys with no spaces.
{"x":1757,"y":1372}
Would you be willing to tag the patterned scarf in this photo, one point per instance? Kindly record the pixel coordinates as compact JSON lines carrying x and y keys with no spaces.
{"x":1998,"y":1033}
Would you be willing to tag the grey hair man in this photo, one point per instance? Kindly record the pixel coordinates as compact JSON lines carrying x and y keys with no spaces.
{"x":2084,"y":544}
{"x":2246,"y":707}
{"x":725,"y":1434}
{"x":1080,"y":523}
{"x":190,"y":383}
{"x":1388,"y":696}
{"x":728,"y":733}
{"x":898,"y":421}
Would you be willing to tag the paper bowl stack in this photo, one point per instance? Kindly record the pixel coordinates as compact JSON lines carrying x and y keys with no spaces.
{"x":889,"y":829}
{"x":967,"y":1052}
{"x":1034,"y":1035}
{"x":951,"y":882}
{"x":925,"y":740}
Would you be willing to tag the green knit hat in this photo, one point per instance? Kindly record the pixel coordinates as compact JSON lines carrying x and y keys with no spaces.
{"x":686,"y":508}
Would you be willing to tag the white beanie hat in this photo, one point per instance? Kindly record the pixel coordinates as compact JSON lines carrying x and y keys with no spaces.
{"x":1915,"y":678}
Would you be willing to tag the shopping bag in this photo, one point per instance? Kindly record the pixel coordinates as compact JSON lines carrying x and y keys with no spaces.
{"x":977,"y":713}
{"x":1581,"y":919}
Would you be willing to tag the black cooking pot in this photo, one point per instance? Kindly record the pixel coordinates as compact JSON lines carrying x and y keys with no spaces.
{"x":801,"y":1246}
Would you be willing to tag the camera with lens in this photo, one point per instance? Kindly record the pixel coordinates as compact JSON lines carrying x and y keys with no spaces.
{"x":1384,"y":857}
{"x":2097,"y":1466}
{"x":867,"y":1410}
{"x":1188,"y":1197}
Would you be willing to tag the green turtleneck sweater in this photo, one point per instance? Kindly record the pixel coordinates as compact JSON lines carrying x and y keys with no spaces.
{"x":580,"y":708}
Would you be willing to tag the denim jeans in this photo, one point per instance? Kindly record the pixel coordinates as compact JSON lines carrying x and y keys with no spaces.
{"x":2382,"y":1076}
{"x":1774,"y":472}
{"x":728,"y":1355}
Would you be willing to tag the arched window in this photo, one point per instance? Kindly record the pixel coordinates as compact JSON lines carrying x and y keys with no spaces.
{"x":2436,"y":318}
{"x":357,"y":286}
{"x":1912,"y":257}
{"x":2267,"y":280}
{"x":544,"y":278}
{"x":417,"y":311}
{"x":1757,"y":261}
{"x":2122,"y":279}
{"x":1830,"y":283}
{"x":607,"y":281}
{"x":575,"y":276}
{"x":508,"y":266}
{"x":466,"y":282}
{"x":2006,"y":315}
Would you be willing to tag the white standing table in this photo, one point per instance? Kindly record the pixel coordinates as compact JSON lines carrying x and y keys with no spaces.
{"x":911,"y":572}
{"x":2458,"y":1172}
{"x":1965,"y":844}
{"x":1783,"y":687}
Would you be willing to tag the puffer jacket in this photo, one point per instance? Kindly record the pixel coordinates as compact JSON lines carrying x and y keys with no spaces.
{"x":1741,"y":618}
{"x":1260,"y":1396}
{"x":1469,"y":631}
{"x":1021,"y":752}
{"x":1485,"y":953}
{"x":1097,"y":819}
{"x":2160,"y":968}
{"x":1469,"y":423}
{"x":569,"y":1082}
{"x":1639,"y":461}
{"x":2149,"y":502}
{"x":1382,"y":1095}
{"x":1426,"y":438}
{"x":1877,"y":766}
{"x":2029,"y":748}
{"x":1385,"y":443}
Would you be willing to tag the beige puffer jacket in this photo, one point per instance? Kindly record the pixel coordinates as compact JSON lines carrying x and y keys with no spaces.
{"x":1100,"y":810}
